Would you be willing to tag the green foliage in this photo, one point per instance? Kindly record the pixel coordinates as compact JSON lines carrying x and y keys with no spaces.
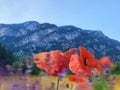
{"x":6,"y":57}
{"x":35,"y":70}
{"x":116,"y":69}
{"x":18,"y":62}
{"x":100,"y":85}
{"x":69,"y":72}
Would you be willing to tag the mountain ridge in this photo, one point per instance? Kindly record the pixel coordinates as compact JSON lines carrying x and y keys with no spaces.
{"x":32,"y":37}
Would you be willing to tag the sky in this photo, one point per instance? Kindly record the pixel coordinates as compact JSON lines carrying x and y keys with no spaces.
{"x":103,"y":15}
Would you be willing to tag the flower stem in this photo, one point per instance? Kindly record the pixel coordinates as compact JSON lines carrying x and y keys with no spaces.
{"x":58,"y":84}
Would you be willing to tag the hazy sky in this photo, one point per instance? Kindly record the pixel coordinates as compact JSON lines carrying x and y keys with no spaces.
{"x":101,"y":15}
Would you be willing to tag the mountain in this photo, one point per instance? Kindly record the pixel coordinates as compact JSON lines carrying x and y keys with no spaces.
{"x":33,"y":37}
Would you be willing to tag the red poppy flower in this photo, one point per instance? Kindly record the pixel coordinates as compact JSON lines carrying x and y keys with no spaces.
{"x":54,"y":62}
{"x":86,"y":61}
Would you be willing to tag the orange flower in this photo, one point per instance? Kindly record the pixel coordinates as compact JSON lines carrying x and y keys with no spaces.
{"x":74,"y":78}
{"x":86,"y":61}
{"x":54,"y":62}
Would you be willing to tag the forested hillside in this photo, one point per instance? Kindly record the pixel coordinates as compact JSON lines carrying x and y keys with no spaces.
{"x":6,"y":57}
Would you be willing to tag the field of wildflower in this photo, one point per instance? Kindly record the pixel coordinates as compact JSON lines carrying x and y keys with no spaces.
{"x":50,"y":83}
{"x":87,"y":72}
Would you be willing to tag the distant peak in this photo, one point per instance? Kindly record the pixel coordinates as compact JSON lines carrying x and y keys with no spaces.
{"x":48,"y":25}
{"x":31,"y":22}
{"x":69,"y":27}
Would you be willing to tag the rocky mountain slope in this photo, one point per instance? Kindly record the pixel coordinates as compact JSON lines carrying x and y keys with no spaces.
{"x":33,"y":37}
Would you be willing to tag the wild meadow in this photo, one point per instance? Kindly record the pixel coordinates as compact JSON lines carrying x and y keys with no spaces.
{"x":55,"y":70}
{"x":47,"y":82}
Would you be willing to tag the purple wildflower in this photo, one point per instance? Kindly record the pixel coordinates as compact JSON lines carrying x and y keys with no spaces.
{"x":52,"y":85}
{"x":53,"y":64}
{"x":38,"y":63}
{"x":61,"y":74}
{"x":10,"y":70}
{"x":8,"y":67}
{"x":107,"y":72}
{"x":37,"y":82}
{"x":21,"y":65}
{"x":27,"y":72}
{"x":29,"y":62}
{"x":107,"y":75}
{"x":60,"y":77}
{"x":47,"y":57}
{"x":98,"y":77}
{"x":79,"y":73}
{"x":42,"y":74}
{"x":15,"y":86}
{"x":114,"y":80}
{"x":89,"y":78}
{"x":19,"y":71}
{"x":32,"y":87}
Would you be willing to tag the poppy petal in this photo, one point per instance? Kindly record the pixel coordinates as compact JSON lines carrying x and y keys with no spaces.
{"x":74,"y":64}
{"x":67,"y":56}
{"x":92,"y":62}
{"x":84,"y":53}
{"x":39,"y":58}
{"x":70,"y":52}
{"x":99,"y":68}
{"x":106,"y":61}
{"x":54,"y":61}
{"x":74,"y":78}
